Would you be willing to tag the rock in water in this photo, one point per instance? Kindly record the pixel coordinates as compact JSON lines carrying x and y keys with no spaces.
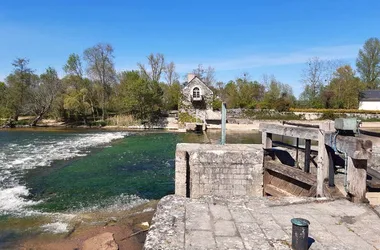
{"x":104,"y":241}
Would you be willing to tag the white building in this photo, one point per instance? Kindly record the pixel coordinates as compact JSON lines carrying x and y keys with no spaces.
{"x":369,"y":100}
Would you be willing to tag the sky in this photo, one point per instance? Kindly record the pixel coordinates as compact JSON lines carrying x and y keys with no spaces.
{"x":274,"y":37}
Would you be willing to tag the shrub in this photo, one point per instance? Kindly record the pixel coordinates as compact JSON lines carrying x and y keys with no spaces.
{"x":186,"y":117}
{"x":266,"y":114}
{"x":330,"y":115}
{"x":122,"y":120}
{"x":336,"y":111}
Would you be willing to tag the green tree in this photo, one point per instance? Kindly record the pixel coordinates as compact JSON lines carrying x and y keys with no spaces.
{"x":79,"y":93}
{"x":43,"y":94}
{"x":231,"y":95}
{"x":141,"y":97}
{"x":18,"y":86}
{"x":277,"y":95}
{"x":171,"y":95}
{"x":4,"y":106}
{"x":345,"y":87}
{"x":100,"y":67}
{"x":368,"y":63}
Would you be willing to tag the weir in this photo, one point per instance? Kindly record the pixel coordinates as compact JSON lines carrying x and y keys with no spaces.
{"x":237,"y":196}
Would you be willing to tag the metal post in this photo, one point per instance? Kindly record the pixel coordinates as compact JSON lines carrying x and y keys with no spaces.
{"x":224,"y":119}
{"x":331,"y":168}
{"x":307,"y":156}
{"x":297,"y":147}
{"x":300,"y":234}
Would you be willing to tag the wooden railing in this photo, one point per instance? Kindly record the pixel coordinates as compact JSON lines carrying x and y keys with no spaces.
{"x":357,"y":152}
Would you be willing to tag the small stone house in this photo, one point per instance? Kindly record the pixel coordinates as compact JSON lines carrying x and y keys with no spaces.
{"x":196,"y":98}
{"x":369,"y":100}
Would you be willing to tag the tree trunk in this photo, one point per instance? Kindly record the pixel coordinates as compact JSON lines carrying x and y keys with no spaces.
{"x":37,"y":119}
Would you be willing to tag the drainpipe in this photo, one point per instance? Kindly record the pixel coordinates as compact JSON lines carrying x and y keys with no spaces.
{"x":333,"y":143}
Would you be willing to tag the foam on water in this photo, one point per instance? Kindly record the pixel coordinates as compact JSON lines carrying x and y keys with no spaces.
{"x":56,"y":227}
{"x":16,"y":158}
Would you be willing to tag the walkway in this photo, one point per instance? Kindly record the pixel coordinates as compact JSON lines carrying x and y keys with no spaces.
{"x":261,"y":223}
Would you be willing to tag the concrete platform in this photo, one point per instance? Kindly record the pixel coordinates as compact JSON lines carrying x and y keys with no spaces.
{"x":261,"y":223}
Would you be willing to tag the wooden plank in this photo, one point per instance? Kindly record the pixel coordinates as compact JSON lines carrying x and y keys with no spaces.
{"x":267,"y":140}
{"x":356,"y":148}
{"x":373,"y":173}
{"x":306,"y":133}
{"x":357,"y":179}
{"x":373,"y":184}
{"x":323,"y":159}
{"x":276,"y":192}
{"x":291,"y":172}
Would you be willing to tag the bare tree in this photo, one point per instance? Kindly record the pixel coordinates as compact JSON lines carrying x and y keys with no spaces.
{"x":170,"y":75}
{"x":206,"y":75}
{"x":315,"y":76}
{"x":100,"y":67}
{"x":157,"y":66}
{"x":43,"y":94}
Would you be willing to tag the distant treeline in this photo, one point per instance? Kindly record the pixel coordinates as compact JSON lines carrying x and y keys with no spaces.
{"x":91,"y":89}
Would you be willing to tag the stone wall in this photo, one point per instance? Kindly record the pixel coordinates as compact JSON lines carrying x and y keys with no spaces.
{"x":220,"y":170}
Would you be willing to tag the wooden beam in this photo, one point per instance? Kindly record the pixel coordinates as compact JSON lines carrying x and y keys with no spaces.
{"x":356,"y":148}
{"x":300,"y":132}
{"x":275,"y":191}
{"x":373,"y":173}
{"x":291,"y":172}
{"x":323,"y":159}
{"x":267,"y":140}
{"x":357,"y":179}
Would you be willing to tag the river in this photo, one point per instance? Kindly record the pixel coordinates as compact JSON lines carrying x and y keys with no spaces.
{"x":47,"y":176}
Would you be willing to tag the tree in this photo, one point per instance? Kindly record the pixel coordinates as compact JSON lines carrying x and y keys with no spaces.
{"x":368,"y":63}
{"x":312,"y":78}
{"x":141,"y":97}
{"x":171,"y":95}
{"x":43,"y":94}
{"x":206,"y":75}
{"x":170,"y":75}
{"x":278,"y":94}
{"x":157,"y":66}
{"x":73,"y":65}
{"x":78,"y":97}
{"x":18,"y":85}
{"x":345,"y":87}
{"x":100,"y":67}
{"x":4,"y":106}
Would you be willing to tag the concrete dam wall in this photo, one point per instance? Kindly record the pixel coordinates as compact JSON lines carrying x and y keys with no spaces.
{"x":219,"y":170}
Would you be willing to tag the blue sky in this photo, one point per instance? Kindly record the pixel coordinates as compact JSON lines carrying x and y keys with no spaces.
{"x":259,"y":37}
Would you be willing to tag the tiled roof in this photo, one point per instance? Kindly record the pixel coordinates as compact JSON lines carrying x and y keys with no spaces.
{"x":370,"y":95}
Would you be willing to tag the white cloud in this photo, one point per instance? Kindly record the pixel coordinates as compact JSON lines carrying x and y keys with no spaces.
{"x":274,"y":59}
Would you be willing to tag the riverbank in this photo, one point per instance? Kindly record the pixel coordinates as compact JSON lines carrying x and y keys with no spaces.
{"x":128,"y":228}
{"x":171,"y":124}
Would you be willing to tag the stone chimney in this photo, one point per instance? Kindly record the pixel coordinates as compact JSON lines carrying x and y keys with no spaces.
{"x":190,"y":76}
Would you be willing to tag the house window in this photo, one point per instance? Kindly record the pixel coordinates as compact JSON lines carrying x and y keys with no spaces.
{"x":196,"y":93}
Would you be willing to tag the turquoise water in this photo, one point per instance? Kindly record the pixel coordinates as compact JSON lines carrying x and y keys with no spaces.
{"x":49,"y":176}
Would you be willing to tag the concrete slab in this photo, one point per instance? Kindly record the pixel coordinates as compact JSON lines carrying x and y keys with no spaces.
{"x":261,"y":223}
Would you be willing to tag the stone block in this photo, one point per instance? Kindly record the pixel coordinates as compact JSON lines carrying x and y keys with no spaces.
{"x":200,"y":240}
{"x":225,"y":228}
{"x":226,"y":243}
{"x":220,"y":212}
{"x":234,"y":157}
